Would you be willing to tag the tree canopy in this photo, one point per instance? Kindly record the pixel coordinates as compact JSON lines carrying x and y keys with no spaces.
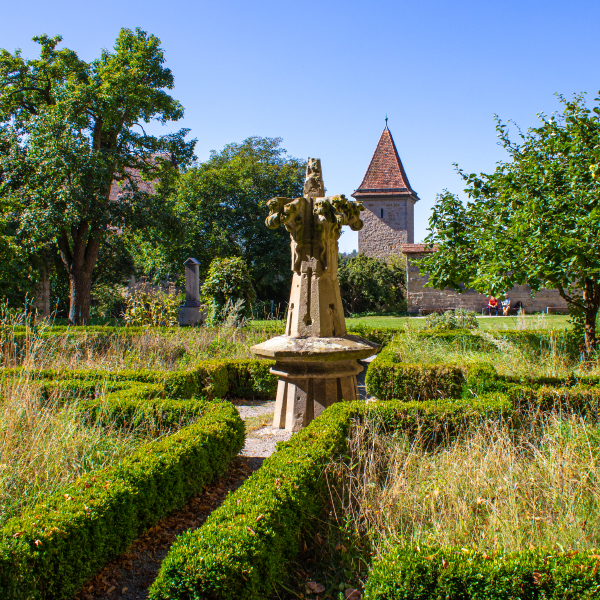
{"x":221,"y":205}
{"x":69,"y":129}
{"x":534,"y":220}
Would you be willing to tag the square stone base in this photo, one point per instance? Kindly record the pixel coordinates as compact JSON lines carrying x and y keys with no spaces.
{"x":299,"y":401}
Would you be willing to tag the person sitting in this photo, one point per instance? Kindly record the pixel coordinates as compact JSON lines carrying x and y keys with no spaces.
{"x":492,"y":306}
{"x":505,"y":306}
{"x":518,"y":307}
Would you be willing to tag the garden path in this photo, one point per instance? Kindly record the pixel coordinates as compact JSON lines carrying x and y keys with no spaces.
{"x":130,"y":575}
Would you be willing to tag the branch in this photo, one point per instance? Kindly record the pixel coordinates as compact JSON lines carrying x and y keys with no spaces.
{"x":567,"y":298}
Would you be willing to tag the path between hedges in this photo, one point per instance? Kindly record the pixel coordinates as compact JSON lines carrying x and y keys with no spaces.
{"x":130,"y":575}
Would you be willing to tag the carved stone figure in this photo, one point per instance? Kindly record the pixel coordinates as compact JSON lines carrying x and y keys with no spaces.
{"x":316,"y":360}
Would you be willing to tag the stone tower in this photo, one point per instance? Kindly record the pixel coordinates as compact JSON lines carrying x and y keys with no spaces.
{"x":388,"y":200}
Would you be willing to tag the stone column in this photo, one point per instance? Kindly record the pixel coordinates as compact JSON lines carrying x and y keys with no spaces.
{"x":191,"y":313}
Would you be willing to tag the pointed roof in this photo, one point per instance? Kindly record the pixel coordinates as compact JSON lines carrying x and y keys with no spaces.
{"x":385,"y":175}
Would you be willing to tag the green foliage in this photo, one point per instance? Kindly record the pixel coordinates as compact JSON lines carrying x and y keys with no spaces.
{"x":69,"y":129}
{"x":242,"y":549}
{"x":481,"y":378}
{"x":533,"y":220}
{"x":387,"y":380}
{"x":223,"y":203}
{"x":422,"y":573}
{"x":152,"y":306}
{"x":451,"y":319}
{"x":227,"y":284}
{"x":52,"y":549}
{"x":371,"y":284}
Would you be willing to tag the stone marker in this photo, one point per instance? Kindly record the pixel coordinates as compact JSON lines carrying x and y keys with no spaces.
{"x":191,"y":313}
{"x":316,"y":360}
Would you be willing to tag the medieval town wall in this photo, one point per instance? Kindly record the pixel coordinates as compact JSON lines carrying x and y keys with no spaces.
{"x":419,"y":297}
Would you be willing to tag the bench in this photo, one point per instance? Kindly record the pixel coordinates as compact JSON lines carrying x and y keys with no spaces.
{"x":557,"y":310}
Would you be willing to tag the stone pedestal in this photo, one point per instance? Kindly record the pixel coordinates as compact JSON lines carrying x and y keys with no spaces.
{"x":313,"y":374}
{"x":316,"y":361}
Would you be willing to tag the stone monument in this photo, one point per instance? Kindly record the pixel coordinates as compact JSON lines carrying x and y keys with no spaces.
{"x":316,"y":360}
{"x":192,"y":312}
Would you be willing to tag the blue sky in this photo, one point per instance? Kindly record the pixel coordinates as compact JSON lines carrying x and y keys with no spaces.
{"x":323,"y":75}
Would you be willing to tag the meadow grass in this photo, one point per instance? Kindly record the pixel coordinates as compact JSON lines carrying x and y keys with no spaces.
{"x":492,"y":488}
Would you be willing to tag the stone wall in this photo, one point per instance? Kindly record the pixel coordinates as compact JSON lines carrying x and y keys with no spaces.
{"x":382,"y":237}
{"x":426,"y":298}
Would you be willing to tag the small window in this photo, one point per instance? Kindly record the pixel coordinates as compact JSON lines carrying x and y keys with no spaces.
{"x":381,"y":215}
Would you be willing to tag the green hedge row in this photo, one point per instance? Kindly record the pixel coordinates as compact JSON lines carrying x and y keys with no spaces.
{"x":242,"y":549}
{"x":244,"y":378}
{"x":462,"y":574}
{"x":387,"y":380}
{"x":53,"y":548}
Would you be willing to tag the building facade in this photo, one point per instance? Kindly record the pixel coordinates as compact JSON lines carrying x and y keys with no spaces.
{"x":389,"y":202}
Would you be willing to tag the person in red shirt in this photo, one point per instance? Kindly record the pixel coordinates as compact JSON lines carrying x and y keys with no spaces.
{"x":492,"y":306}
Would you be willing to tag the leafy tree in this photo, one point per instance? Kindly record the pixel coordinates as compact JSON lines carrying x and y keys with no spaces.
{"x":534,"y":220}
{"x":228,"y":283}
{"x":221,"y":205}
{"x":69,"y":129}
{"x":371,"y":285}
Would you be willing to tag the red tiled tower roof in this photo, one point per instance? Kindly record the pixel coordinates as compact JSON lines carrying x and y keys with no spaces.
{"x":385,"y":175}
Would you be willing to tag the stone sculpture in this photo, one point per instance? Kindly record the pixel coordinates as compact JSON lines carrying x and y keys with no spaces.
{"x":316,"y":360}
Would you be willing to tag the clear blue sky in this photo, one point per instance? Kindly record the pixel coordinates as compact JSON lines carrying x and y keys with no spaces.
{"x":323,"y":75}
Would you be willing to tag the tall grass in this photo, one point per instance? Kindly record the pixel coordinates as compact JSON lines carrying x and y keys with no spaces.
{"x":491,"y":488}
{"x":155,"y":348}
{"x":551,"y":358}
{"x":46,"y":443}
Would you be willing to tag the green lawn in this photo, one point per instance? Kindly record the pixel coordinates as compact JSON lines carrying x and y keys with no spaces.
{"x":526,"y":322}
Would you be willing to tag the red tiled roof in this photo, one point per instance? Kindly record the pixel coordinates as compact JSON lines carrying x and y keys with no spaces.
{"x":385,"y":175}
{"x":417,"y":248}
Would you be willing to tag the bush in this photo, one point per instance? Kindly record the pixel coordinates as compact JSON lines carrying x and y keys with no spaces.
{"x":451,"y":319}
{"x":152,"y":306}
{"x":242,"y":549}
{"x":371,"y":284}
{"x":52,"y":549}
{"x":228,"y":283}
{"x":424,"y":573}
{"x":387,"y":380}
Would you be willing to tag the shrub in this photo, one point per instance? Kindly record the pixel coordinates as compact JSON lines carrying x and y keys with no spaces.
{"x":387,"y":380}
{"x":152,"y":306}
{"x":228,"y":283}
{"x":54,"y":547}
{"x":422,"y":573}
{"x":371,"y":284}
{"x":451,"y":319}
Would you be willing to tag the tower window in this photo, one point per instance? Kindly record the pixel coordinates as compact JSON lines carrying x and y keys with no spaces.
{"x":381,"y":215}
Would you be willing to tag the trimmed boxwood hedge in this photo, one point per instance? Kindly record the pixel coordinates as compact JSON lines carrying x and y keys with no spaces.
{"x":242,"y":549}
{"x":54,"y":547}
{"x":425,"y":573}
{"x":249,"y":379}
{"x":387,"y":380}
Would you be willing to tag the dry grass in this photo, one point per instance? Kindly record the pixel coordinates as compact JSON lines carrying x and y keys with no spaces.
{"x":45,"y":444}
{"x":491,"y":488}
{"x":509,"y":358}
{"x":152,"y":349}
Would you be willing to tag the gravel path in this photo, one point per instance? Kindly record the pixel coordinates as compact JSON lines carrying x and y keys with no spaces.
{"x":130,"y":575}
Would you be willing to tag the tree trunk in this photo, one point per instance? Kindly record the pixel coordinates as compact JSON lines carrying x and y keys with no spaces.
{"x":79,"y":258}
{"x":80,"y":300}
{"x":591,"y":300}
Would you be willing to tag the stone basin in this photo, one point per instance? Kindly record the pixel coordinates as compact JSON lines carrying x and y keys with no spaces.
{"x":291,"y":349}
